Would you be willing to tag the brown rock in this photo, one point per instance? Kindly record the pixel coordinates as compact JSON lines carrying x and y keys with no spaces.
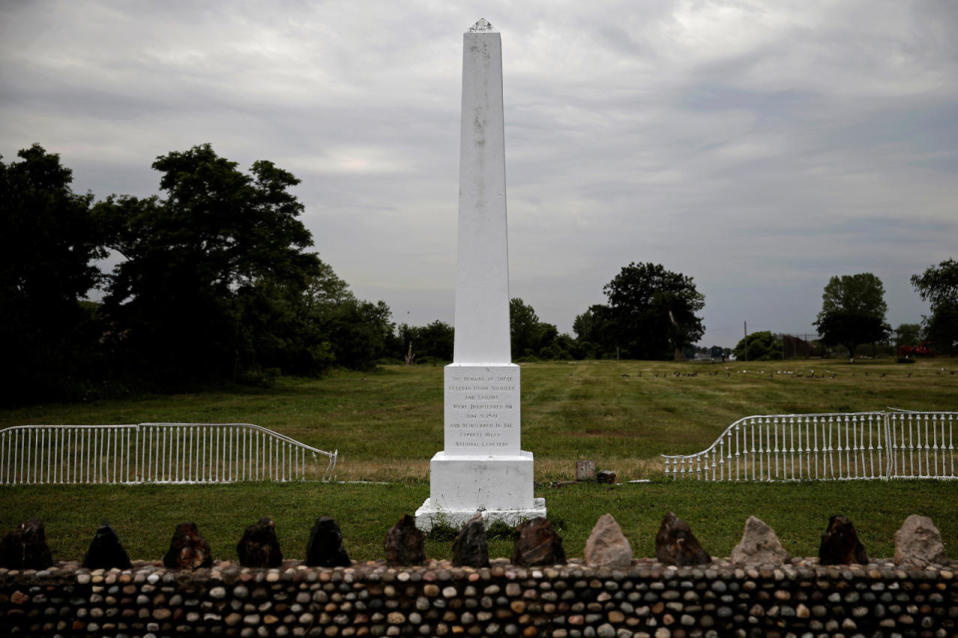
{"x":188,"y":549}
{"x":26,"y":547}
{"x":470,"y":548}
{"x":840,"y":544}
{"x":607,"y":545}
{"x":538,"y":544}
{"x":675,"y":544}
{"x":918,"y":543}
{"x":404,"y":543}
{"x":759,"y":546}
{"x":259,"y":546}
{"x":605,"y":476}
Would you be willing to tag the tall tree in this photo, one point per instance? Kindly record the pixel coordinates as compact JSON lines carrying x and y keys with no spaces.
{"x":853,"y":311}
{"x":48,"y":242}
{"x":215,"y":275}
{"x":938,"y":285}
{"x":651,"y":312}
{"x":530,"y":336}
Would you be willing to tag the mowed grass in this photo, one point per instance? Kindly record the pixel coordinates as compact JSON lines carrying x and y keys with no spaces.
{"x":386,"y":425}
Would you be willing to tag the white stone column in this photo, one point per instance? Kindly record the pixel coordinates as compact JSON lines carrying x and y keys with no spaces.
{"x":482,"y":467}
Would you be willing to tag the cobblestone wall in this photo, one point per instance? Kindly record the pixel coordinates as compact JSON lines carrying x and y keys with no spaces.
{"x":370,"y":599}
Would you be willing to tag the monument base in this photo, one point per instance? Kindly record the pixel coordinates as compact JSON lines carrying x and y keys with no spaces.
{"x":500,"y":487}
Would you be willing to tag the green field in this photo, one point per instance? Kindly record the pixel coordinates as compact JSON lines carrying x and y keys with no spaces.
{"x":387,"y":424}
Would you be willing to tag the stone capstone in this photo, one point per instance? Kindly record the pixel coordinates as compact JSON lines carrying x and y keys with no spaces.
{"x":470,"y":549}
{"x":607,"y":546}
{"x":759,"y":546}
{"x":918,"y":543}
{"x":26,"y":547}
{"x":106,"y":551}
{"x":188,"y":549}
{"x":675,"y":544}
{"x":259,"y":546}
{"x":538,"y":544}
{"x":840,"y":544}
{"x":325,"y":545}
{"x":404,"y":543}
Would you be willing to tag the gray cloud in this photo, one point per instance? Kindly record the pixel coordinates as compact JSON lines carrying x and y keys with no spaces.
{"x":758,"y":148}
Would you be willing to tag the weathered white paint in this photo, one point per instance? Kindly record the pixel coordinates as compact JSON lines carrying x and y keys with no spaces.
{"x":482,"y":467}
{"x":482,"y":274}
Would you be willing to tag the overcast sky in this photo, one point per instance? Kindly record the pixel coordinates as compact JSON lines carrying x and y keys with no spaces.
{"x":757,"y":147}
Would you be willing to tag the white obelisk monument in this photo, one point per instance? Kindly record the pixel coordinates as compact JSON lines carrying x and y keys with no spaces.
{"x":482,"y":468}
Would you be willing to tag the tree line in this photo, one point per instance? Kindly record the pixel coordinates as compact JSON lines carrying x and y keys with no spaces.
{"x":215,"y":281}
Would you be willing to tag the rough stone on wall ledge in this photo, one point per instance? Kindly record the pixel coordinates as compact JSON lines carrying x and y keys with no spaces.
{"x":106,"y":551}
{"x":325,"y":546}
{"x":918,"y":543}
{"x":470,"y":549}
{"x":404,"y":543}
{"x":607,"y":546}
{"x":675,"y":544}
{"x":259,"y":546}
{"x":759,"y":545}
{"x":26,"y":547}
{"x":538,"y":544}
{"x":840,"y":544}
{"x":188,"y":549}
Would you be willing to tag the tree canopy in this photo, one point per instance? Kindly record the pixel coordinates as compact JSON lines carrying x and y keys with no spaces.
{"x":650,"y":314}
{"x":853,"y":311}
{"x":938,"y":285}
{"x":48,"y":242}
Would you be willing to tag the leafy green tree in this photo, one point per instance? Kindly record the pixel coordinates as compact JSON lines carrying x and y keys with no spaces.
{"x":48,"y":242}
{"x":215,"y":278}
{"x":853,"y":312}
{"x":530,"y":337}
{"x":907,"y":334}
{"x":651,"y":313}
{"x":938,"y":285}
{"x":430,"y":343}
{"x":759,"y":346}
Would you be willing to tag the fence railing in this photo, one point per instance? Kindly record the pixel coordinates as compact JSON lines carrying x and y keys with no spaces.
{"x":831,"y":446}
{"x":156,"y":453}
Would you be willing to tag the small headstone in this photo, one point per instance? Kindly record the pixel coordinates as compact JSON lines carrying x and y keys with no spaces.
{"x":26,"y":547}
{"x":470,"y":548}
{"x":538,"y":544}
{"x":918,"y":543}
{"x":759,"y":546}
{"x":585,"y":470}
{"x":404,"y":543}
{"x":675,"y":544}
{"x":605,"y":476}
{"x":106,"y":551}
{"x":607,"y":545}
{"x":325,"y":545}
{"x":259,"y":546}
{"x":840,"y":544}
{"x":188,"y":549}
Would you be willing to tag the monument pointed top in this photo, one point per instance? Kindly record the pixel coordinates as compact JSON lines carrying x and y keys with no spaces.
{"x":482,"y":26}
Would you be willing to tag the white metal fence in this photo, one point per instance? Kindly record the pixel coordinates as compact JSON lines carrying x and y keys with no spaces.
{"x":835,"y":446}
{"x":156,"y":453}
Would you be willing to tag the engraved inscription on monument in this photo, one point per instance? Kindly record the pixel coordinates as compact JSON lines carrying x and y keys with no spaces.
{"x":482,"y":410}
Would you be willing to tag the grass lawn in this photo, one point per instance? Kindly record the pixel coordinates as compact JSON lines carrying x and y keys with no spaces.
{"x":386,"y":425}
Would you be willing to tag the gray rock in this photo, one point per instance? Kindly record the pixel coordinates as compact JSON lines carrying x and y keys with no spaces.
{"x":607,"y":546}
{"x":404,"y":543}
{"x":918,"y":543}
{"x":470,"y":549}
{"x":759,"y":546}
